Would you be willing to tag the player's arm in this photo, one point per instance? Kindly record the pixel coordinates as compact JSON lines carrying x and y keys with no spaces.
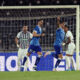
{"x":17,"y":39}
{"x":69,"y":40}
{"x":37,"y":35}
{"x":66,"y":43}
{"x":31,"y":35}
{"x":58,"y":21}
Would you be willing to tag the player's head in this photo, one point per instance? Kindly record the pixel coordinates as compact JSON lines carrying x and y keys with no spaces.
{"x":25,"y":28}
{"x":66,"y":28}
{"x":40,"y":22}
{"x":62,"y":24}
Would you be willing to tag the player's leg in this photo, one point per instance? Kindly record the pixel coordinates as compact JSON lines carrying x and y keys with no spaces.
{"x":58,"y":50}
{"x":26,"y":63}
{"x":30,"y":49}
{"x":68,"y":59}
{"x":54,"y":55}
{"x":73,"y":65}
{"x":39,"y":52}
{"x":69,"y":55}
{"x":67,"y":63}
{"x":24,"y":58}
{"x":72,"y":52}
{"x":60,"y":56}
{"x":19,"y":59}
{"x":38,"y":58}
{"x":19,"y":64}
{"x":51,"y":53}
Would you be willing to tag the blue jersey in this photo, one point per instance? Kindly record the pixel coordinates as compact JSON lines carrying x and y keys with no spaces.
{"x":60,"y":34}
{"x":35,"y":40}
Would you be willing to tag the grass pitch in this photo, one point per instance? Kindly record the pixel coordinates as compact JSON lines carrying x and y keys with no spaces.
{"x":40,"y":75}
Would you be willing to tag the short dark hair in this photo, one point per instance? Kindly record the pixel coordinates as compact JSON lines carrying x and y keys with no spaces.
{"x":66,"y":26}
{"x":40,"y":20}
{"x":61,"y":21}
{"x":25,"y":25}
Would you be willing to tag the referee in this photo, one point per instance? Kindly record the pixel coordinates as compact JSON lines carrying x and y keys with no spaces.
{"x":22,"y":41}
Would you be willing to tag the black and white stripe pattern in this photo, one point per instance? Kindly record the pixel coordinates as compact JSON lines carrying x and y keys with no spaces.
{"x":24,"y":39}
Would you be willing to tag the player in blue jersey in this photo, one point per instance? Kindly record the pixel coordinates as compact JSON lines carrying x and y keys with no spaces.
{"x":60,"y":34}
{"x":35,"y":44}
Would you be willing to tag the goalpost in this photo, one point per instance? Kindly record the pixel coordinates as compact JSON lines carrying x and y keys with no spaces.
{"x":16,"y":16}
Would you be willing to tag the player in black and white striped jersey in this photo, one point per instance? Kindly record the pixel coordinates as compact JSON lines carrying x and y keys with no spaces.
{"x":22,"y":41}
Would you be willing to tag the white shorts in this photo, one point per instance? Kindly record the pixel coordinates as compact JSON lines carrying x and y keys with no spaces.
{"x":22,"y":53}
{"x":70,"y":49}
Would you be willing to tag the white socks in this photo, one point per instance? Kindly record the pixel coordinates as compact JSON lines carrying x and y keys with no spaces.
{"x":69,"y":62}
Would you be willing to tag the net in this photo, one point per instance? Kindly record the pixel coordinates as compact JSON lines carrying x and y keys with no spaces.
{"x":12,"y":21}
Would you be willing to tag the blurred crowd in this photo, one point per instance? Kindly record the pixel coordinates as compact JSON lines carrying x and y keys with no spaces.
{"x":38,"y":2}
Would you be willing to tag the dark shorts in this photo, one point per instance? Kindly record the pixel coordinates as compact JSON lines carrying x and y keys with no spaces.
{"x":58,"y":49}
{"x":33,"y":48}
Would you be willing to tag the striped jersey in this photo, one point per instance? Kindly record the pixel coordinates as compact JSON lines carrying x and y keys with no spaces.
{"x":24,"y":39}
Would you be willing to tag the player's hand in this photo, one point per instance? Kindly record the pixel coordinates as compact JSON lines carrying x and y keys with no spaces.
{"x":42,"y":34}
{"x":58,"y":18}
{"x":47,"y":53}
{"x":17,"y":45}
{"x":63,"y":44}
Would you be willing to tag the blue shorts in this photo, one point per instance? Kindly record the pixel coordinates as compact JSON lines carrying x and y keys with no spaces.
{"x":33,"y":48}
{"x":58,"y":49}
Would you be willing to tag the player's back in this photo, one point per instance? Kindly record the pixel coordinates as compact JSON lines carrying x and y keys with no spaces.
{"x":59,"y":36}
{"x":35,"y":40}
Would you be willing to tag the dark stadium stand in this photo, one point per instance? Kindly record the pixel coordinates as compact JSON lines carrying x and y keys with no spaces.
{"x":38,"y":2}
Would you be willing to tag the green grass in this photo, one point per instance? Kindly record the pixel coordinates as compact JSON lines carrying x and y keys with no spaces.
{"x":40,"y":75}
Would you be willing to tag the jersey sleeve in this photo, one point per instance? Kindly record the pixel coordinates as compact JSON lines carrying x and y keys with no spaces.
{"x":35,"y":29}
{"x":31,"y":35}
{"x":18,"y":35}
{"x":68,"y":34}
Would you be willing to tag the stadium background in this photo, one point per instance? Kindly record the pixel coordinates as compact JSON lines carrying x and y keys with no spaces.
{"x":7,"y":43}
{"x":12,"y":20}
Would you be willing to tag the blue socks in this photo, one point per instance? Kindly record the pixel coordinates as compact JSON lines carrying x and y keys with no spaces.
{"x":25,"y":58}
{"x":23,"y":63}
{"x":37,"y":60}
{"x":57,"y":63}
{"x":58,"y":60}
